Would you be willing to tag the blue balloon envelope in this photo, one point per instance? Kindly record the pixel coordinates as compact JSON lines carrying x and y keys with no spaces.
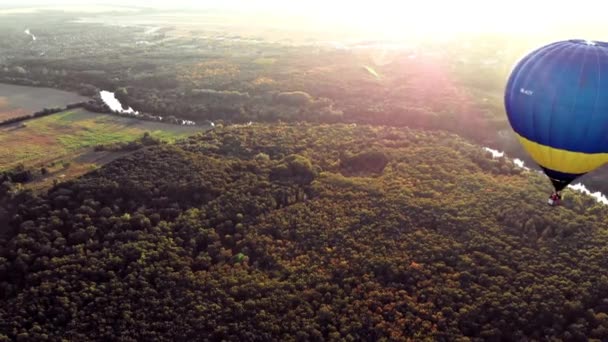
{"x":556,"y":100}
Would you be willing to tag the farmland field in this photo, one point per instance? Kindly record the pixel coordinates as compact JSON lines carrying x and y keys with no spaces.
{"x":64,"y":142}
{"x":20,"y":100}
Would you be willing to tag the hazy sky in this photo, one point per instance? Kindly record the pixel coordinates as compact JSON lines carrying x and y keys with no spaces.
{"x":434,"y":16}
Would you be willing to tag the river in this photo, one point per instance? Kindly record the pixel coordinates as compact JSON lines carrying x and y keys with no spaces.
{"x":27,"y":31}
{"x":109,"y":98}
{"x":580,"y":187}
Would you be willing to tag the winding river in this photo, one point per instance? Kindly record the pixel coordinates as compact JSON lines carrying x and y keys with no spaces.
{"x":580,"y":187}
{"x":27,"y":31}
{"x":109,"y":98}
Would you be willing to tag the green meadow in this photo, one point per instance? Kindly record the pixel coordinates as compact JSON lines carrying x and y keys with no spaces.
{"x":68,"y":135}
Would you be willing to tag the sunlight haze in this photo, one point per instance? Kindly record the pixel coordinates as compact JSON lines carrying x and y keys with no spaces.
{"x":319,"y":170}
{"x":398,"y":19}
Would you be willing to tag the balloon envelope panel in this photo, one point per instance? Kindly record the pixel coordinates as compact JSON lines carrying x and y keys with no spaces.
{"x":557,"y":102}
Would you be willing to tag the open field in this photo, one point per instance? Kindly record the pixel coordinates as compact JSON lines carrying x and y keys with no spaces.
{"x":8,"y":111}
{"x":64,"y":142}
{"x":20,"y":100}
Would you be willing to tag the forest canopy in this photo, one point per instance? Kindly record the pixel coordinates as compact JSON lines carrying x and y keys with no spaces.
{"x":304,"y":232}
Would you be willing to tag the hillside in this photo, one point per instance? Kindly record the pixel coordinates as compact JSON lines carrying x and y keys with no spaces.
{"x":304,"y":232}
{"x":203,"y":74}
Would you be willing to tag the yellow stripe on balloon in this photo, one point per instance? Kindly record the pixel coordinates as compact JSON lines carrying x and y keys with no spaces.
{"x":562,"y":160}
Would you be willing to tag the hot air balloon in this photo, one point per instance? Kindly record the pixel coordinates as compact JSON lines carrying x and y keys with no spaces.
{"x":556,"y":100}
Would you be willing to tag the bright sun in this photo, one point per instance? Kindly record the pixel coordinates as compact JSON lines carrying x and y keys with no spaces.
{"x":438,"y":17}
{"x":470,"y":16}
{"x":414,"y":18}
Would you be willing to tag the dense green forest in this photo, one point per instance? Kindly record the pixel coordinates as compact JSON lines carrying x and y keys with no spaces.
{"x":206,"y":75}
{"x":303,"y":232}
{"x":201,"y":74}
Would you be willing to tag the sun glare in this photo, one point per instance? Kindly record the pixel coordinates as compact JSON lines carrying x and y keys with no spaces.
{"x":393,"y":19}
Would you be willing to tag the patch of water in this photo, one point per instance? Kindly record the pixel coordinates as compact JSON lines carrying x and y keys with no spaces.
{"x":110,"y":99}
{"x":580,"y":187}
{"x":27,"y":31}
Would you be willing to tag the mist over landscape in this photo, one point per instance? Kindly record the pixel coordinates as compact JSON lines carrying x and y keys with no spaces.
{"x":302,"y":171}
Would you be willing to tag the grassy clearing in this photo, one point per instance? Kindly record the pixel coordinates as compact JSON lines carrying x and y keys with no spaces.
{"x":68,"y":135}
